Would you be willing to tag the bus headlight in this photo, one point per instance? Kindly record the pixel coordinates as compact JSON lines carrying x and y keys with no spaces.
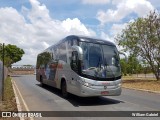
{"x":87,"y":84}
{"x":119,"y":85}
{"x":83,"y":82}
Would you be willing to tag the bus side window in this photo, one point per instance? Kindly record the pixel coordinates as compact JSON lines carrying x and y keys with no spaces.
{"x":70,"y":43}
{"x":69,"y":50}
{"x":63,"y":52}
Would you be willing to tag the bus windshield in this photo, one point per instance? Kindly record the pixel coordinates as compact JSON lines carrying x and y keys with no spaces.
{"x":100,"y":60}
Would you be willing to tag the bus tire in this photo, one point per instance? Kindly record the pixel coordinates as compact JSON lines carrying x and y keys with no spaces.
{"x":64,"y":89}
{"x":41,"y":81}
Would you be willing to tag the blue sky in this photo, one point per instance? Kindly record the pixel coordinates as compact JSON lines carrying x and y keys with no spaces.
{"x":35,"y":24}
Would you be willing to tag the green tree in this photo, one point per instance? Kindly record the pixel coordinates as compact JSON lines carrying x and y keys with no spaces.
{"x":132,"y":66}
{"x":123,"y":66}
{"x":0,"y":48}
{"x":12,"y":54}
{"x":142,"y":38}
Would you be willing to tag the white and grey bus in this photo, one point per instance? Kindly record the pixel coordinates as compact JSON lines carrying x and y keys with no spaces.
{"x":81,"y":66}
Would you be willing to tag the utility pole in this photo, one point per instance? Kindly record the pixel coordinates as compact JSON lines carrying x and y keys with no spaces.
{"x":158,"y":71}
{"x":3,"y":73}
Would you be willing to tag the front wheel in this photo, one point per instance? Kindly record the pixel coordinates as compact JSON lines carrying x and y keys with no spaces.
{"x":41,"y":81}
{"x":64,"y":89}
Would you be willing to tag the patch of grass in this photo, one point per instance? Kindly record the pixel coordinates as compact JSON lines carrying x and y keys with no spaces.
{"x":142,"y":83}
{"x":137,"y":78}
{"x":9,"y":103}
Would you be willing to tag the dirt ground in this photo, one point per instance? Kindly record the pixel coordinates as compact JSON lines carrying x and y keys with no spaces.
{"x":21,"y":72}
{"x":149,"y":84}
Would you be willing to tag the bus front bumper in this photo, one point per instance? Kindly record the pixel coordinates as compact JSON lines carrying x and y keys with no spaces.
{"x":87,"y":91}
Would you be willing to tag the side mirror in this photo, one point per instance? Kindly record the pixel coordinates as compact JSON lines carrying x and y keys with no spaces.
{"x":122,"y":53}
{"x":77,"y":56}
{"x":74,"y":61}
{"x":74,"y":57}
{"x":79,"y":51}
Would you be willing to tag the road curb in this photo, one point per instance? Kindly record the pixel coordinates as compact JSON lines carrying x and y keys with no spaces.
{"x":157,"y":92}
{"x":19,"y":107}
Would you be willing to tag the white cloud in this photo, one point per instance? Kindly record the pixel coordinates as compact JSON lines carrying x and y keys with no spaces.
{"x":124,"y":8}
{"x":38,"y":12}
{"x":117,"y":28}
{"x":106,"y":37}
{"x":74,"y":26}
{"x":34,"y":30}
{"x":95,"y":1}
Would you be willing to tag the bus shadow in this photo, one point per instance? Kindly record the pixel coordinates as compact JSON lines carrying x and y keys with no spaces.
{"x":83,"y":101}
{"x":92,"y":101}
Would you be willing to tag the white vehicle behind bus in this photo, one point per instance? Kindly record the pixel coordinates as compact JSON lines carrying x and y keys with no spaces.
{"x":81,"y":66}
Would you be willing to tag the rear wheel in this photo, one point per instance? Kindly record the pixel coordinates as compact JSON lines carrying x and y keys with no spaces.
{"x":41,"y":81}
{"x":64,"y":89}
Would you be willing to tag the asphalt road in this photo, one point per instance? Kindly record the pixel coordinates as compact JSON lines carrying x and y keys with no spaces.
{"x":37,"y":98}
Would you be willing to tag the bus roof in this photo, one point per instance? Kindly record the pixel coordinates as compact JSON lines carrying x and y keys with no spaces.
{"x":83,"y":39}
{"x":90,"y":39}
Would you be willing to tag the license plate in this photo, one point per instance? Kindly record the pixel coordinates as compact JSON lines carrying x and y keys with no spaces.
{"x":104,"y":92}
